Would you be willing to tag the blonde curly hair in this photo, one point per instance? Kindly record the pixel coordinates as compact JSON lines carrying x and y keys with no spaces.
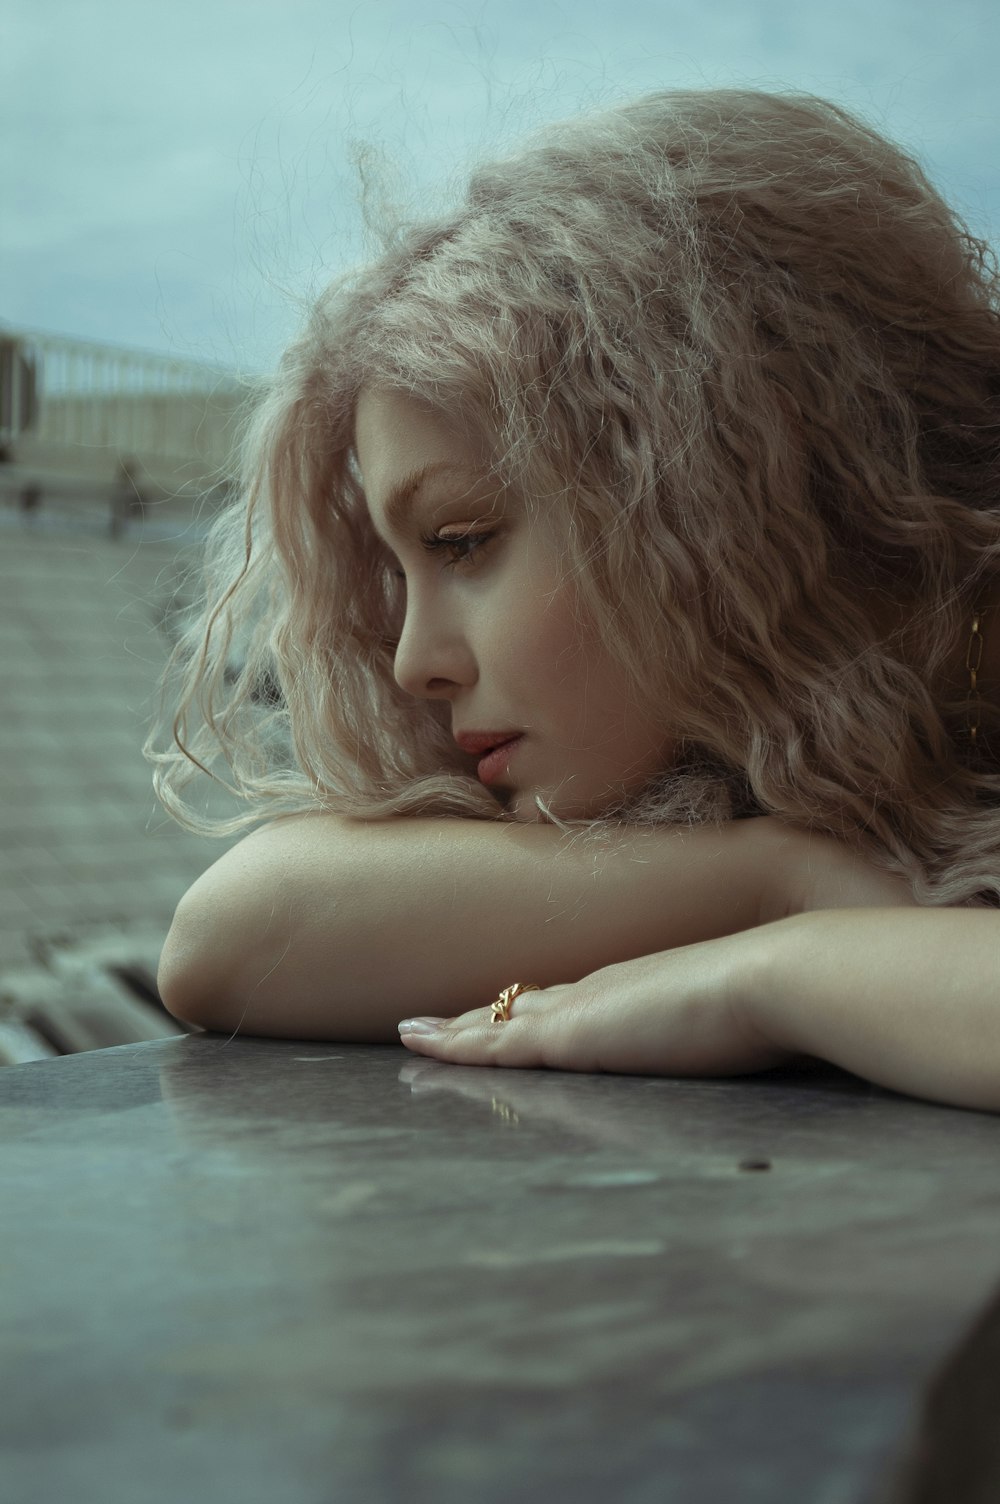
{"x":747,"y":350}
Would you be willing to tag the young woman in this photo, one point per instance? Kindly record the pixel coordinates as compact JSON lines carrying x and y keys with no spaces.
{"x":614,"y":585}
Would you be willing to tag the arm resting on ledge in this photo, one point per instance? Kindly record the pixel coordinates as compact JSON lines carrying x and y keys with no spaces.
{"x":907,"y":998}
{"x":318,"y":927}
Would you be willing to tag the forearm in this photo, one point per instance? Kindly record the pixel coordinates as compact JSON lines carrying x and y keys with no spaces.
{"x":318,"y":927}
{"x":908,"y":998}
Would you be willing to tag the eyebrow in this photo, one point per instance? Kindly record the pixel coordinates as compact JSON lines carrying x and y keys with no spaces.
{"x":397,"y":506}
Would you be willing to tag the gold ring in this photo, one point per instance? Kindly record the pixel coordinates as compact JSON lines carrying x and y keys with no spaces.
{"x":500,"y":1010}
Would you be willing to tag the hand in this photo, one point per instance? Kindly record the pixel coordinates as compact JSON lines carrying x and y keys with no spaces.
{"x":676,"y":1013}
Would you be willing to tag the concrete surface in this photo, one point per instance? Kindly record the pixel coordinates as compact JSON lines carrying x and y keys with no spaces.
{"x":266,"y":1270}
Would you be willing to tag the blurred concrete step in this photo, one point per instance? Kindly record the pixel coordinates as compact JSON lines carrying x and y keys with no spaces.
{"x":20,"y":1043}
{"x":88,"y":992}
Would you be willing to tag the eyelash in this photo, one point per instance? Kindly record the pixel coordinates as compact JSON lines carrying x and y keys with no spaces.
{"x":473,"y":542}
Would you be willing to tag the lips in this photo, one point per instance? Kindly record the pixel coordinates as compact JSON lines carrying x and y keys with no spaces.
{"x":478,"y":742}
{"x":495,"y":765}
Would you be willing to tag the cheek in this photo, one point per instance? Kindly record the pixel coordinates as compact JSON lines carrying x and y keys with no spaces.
{"x":562,"y":651}
{"x":532,"y":634}
{"x":561,"y":659}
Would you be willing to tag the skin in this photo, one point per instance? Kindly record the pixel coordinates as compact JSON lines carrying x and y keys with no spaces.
{"x":478,"y":614}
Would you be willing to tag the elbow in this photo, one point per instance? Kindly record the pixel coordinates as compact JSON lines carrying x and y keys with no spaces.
{"x":186,"y":980}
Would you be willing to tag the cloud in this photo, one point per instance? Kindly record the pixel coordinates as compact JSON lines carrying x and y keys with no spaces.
{"x":176,"y":170}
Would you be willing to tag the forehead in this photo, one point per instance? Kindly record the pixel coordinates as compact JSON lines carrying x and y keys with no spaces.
{"x":396,"y":434}
{"x":400,"y":443}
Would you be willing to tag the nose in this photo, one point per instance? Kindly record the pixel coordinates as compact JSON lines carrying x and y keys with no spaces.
{"x":433,"y":659}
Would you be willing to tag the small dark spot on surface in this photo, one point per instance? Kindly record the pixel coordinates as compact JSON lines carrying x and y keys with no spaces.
{"x":755,"y":1164}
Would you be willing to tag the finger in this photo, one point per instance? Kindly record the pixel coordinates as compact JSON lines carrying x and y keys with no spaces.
{"x":476,"y":1038}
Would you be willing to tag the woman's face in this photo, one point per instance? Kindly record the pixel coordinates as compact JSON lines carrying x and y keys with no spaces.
{"x":490,"y":623}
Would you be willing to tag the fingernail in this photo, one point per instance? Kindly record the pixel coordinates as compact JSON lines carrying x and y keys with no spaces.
{"x":420,"y":1026}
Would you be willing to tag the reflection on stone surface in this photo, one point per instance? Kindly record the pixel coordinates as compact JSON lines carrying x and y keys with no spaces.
{"x":342,"y":1273}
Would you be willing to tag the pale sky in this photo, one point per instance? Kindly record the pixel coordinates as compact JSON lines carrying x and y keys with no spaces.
{"x":176,"y":175}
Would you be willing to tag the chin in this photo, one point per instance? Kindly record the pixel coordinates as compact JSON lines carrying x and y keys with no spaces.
{"x":525,"y":811}
{"x":527,"y":815}
{"x":522,"y":808}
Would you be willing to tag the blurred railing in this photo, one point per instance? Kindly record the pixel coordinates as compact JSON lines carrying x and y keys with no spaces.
{"x":76,"y":413}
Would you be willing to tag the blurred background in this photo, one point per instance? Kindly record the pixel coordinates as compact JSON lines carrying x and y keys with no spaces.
{"x":178,"y":181}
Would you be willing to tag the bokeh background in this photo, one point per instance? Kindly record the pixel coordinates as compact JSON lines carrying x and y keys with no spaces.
{"x":178,"y":180}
